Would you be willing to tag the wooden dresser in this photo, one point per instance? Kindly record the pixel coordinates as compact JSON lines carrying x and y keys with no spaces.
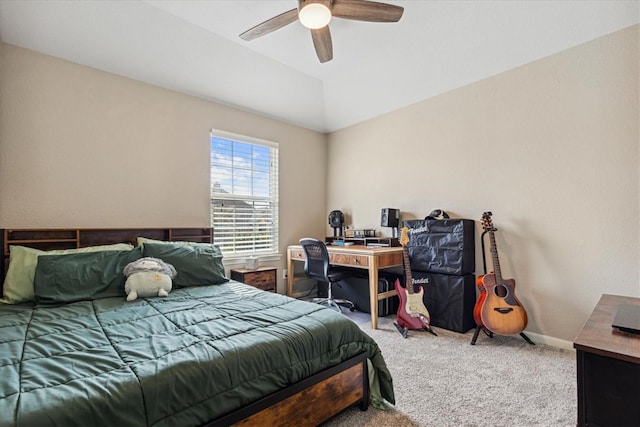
{"x":608,"y":368}
{"x":264,"y":278}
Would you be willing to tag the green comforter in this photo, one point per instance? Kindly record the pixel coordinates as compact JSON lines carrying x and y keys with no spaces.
{"x":182,"y":360}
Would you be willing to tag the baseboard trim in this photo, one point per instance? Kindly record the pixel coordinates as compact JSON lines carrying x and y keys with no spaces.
{"x":552,"y":341}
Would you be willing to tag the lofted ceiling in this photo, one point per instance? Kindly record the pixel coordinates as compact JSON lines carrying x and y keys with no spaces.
{"x":193,"y":47}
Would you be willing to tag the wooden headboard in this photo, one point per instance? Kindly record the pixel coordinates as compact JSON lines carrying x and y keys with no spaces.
{"x":69,"y":238}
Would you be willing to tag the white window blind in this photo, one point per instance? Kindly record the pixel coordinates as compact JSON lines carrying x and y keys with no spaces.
{"x":244,"y":194}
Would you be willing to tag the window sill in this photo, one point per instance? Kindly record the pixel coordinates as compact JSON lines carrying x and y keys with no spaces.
{"x":234,"y":261}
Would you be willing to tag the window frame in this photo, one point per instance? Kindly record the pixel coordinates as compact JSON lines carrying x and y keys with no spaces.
{"x":274,"y":197}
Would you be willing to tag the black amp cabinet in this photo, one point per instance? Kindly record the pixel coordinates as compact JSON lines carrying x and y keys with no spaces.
{"x":442,"y":256}
{"x":445,"y":246}
{"x":449,"y":298}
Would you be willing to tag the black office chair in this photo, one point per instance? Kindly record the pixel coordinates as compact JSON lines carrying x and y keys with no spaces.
{"x":316,"y":266}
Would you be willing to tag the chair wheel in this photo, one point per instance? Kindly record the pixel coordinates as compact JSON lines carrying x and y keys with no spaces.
{"x":352,"y":309}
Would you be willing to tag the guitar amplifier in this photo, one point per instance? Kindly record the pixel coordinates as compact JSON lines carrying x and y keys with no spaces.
{"x":444,"y":246}
{"x":450,"y":299}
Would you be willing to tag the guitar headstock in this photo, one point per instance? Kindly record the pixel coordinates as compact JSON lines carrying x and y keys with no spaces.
{"x":404,"y":236}
{"x":487,"y":223}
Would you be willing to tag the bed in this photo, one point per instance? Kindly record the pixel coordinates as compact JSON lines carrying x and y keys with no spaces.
{"x":213,"y":352}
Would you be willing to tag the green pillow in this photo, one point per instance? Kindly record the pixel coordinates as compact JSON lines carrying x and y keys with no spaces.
{"x":82,"y":276}
{"x":142,"y":240}
{"x":197,"y":264}
{"x":18,"y":282}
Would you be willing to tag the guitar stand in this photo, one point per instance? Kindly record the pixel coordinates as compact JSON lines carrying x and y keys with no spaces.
{"x":482,"y":328}
{"x":477,"y":332}
{"x":405,"y":331}
{"x":490,"y":335}
{"x":526,"y":338}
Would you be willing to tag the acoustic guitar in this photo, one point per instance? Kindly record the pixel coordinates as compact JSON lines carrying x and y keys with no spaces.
{"x":412,"y":313}
{"x":498,"y":309}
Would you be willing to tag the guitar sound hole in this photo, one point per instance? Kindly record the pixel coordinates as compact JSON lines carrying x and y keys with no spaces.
{"x":501,"y":291}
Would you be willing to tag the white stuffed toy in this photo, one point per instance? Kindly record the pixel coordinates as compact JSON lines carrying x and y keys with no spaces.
{"x":148,"y":277}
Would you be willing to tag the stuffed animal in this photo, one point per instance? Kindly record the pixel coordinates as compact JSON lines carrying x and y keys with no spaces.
{"x":148,"y":277}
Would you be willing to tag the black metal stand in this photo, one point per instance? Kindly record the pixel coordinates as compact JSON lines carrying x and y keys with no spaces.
{"x":403,"y":331}
{"x":480,"y":327}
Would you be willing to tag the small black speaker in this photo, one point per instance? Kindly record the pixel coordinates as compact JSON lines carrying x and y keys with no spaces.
{"x":336,"y":219}
{"x":390,"y":217}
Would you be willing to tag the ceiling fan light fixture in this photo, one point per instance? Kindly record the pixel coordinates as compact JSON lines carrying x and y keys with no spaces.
{"x":315,"y":14}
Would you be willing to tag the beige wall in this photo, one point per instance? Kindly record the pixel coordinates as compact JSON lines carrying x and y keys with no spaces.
{"x":551,"y":148}
{"x":84,"y":148}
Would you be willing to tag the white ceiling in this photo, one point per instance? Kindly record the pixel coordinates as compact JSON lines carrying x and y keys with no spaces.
{"x":193,"y":47}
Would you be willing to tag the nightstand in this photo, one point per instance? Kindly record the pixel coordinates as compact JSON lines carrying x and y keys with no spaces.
{"x":263,"y":278}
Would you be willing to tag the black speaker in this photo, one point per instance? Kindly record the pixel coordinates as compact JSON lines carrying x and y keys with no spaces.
{"x":336,"y":219}
{"x":390,"y":217}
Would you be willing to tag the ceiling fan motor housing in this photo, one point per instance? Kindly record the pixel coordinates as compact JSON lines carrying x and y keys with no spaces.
{"x":303,"y":3}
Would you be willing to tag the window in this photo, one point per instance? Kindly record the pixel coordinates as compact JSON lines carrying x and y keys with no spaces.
{"x":244,"y":194}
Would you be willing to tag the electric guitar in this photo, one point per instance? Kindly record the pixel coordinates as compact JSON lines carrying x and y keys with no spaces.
{"x":498,"y":309}
{"x":412,"y":314}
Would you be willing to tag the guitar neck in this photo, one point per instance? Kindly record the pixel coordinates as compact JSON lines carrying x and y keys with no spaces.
{"x":408,"y":284}
{"x":494,"y":256}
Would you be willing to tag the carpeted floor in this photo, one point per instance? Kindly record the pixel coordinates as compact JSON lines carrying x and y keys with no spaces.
{"x":445,"y":381}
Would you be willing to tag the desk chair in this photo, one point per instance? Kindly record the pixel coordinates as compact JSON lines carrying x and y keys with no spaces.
{"x":316,"y":266}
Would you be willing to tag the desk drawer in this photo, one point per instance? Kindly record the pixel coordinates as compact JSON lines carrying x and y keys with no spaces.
{"x":351,"y":260}
{"x":297,"y":254}
{"x":337,"y":259}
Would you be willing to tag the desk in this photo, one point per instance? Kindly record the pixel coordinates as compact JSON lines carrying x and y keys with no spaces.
{"x":367,"y":258}
{"x":608,"y":368}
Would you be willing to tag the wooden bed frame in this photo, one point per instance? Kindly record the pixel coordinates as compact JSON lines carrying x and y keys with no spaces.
{"x":306,"y":403}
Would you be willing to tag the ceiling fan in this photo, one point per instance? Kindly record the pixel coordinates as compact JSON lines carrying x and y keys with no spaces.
{"x":316,"y":14}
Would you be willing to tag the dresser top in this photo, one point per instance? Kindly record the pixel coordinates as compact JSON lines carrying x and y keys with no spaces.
{"x":599,"y":337}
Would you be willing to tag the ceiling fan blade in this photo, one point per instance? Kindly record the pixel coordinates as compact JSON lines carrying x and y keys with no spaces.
{"x":322,"y":42}
{"x":364,"y":10}
{"x":270,"y":25}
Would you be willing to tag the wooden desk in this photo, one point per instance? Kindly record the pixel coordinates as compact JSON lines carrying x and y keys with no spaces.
{"x":608,"y":368}
{"x":368,"y":258}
